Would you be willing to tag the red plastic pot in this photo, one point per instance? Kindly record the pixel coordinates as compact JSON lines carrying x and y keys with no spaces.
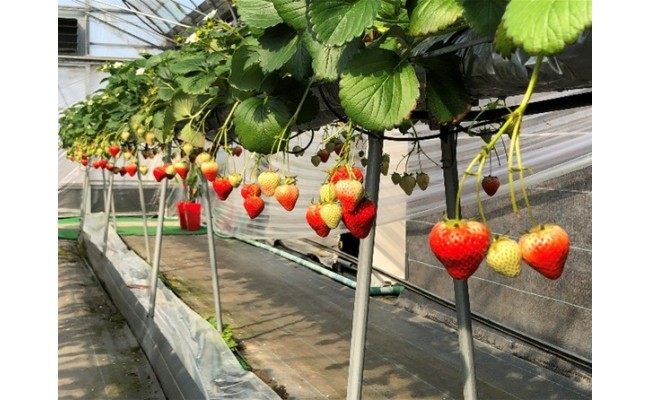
{"x":189,"y":215}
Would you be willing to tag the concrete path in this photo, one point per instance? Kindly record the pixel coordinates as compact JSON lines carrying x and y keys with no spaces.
{"x":99,"y":358}
{"x":295,"y":325}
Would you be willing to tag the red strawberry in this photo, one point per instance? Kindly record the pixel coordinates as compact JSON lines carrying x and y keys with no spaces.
{"x":348,"y":192}
{"x":268,"y":181}
{"x":490,"y":184}
{"x":122,"y":171}
{"x":287,"y":193}
{"x":323,"y":154}
{"x":237,"y":150}
{"x":250,"y":189}
{"x":84,"y":161}
{"x":109,"y":166}
{"x":210,"y":169}
{"x":254,"y":206}
{"x":222,"y":187}
{"x":182,"y":168}
{"x":131,"y":169}
{"x":360,"y":220}
{"x":342,"y":172}
{"x":315,"y":220}
{"x":113,"y":150}
{"x":159,"y":173}
{"x":545,"y":248}
{"x":460,"y":245}
{"x":102,"y":163}
{"x":95,"y":164}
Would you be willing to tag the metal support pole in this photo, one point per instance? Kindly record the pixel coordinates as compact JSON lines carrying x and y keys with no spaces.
{"x":84,"y":199}
{"x":153,"y":286}
{"x":461,"y":292}
{"x":364,"y":273}
{"x":107,"y":211}
{"x":212,"y":253}
{"x":144,"y":217}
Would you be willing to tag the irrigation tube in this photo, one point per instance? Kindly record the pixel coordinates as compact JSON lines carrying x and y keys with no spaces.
{"x":461,"y":292}
{"x":107,"y":210}
{"x":374,"y":291}
{"x":143,"y":206}
{"x":364,"y":272}
{"x":213,"y":258}
{"x":153,"y":286}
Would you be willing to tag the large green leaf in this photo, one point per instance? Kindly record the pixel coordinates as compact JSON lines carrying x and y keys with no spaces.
{"x":431,"y":16}
{"x":378,"y":89}
{"x":190,"y":135}
{"x":259,"y":124}
{"x":163,"y":122}
{"x":245,"y":72}
{"x":546,"y":26}
{"x":188,"y":64}
{"x":484,"y":15}
{"x":328,"y":61}
{"x":339,"y":21}
{"x":166,"y":93}
{"x":299,"y":66}
{"x":447,"y":100}
{"x":196,"y":84}
{"x":277,"y":45}
{"x":258,"y":13}
{"x":292,"y":12}
{"x":182,"y":105}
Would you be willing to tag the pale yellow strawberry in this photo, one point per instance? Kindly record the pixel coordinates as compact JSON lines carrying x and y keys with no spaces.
{"x":327,"y":193}
{"x":268,"y":181}
{"x":504,"y":257}
{"x":235,"y":179}
{"x":331,"y":213}
{"x":348,"y":192}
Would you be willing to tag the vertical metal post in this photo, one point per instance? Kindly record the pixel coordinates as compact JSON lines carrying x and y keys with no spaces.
{"x":212,"y":254}
{"x":364,"y":272}
{"x":107,"y":211}
{"x":448,"y":143}
{"x":153,"y":286}
{"x":143,"y":206}
{"x":84,"y":199}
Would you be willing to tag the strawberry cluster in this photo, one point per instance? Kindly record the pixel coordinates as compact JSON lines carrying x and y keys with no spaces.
{"x":342,"y":198}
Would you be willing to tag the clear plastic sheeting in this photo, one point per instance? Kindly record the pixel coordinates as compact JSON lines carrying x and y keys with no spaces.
{"x":190,"y":358}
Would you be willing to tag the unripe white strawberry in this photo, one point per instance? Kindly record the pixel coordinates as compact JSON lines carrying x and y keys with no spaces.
{"x":504,"y":257}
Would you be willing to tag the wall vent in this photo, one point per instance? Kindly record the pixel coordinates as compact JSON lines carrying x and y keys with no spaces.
{"x":68,"y":36}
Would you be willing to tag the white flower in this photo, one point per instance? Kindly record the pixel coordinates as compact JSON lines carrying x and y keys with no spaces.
{"x":117,"y":64}
{"x":140,"y":71}
{"x":192,"y":38}
{"x":210,"y":15}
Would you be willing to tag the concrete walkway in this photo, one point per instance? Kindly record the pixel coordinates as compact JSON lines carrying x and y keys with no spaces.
{"x":295,"y":326}
{"x":99,"y":358}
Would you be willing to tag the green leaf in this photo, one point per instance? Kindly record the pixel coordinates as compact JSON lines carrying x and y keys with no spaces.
{"x":484,"y":15}
{"x":292,"y":12}
{"x":546,"y":26}
{"x":166,"y":93}
{"x":290,"y":91}
{"x":503,"y":45}
{"x":190,"y":135}
{"x":196,"y":84}
{"x":245,"y":71}
{"x":339,"y":21}
{"x":186,"y":65}
{"x":259,"y":124}
{"x":163,"y":122}
{"x":447,"y":100}
{"x":432,"y":16}
{"x":328,"y":61}
{"x":258,"y":13}
{"x":182,"y":105}
{"x":378,"y":89}
{"x":300,"y":64}
{"x":277,"y":45}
